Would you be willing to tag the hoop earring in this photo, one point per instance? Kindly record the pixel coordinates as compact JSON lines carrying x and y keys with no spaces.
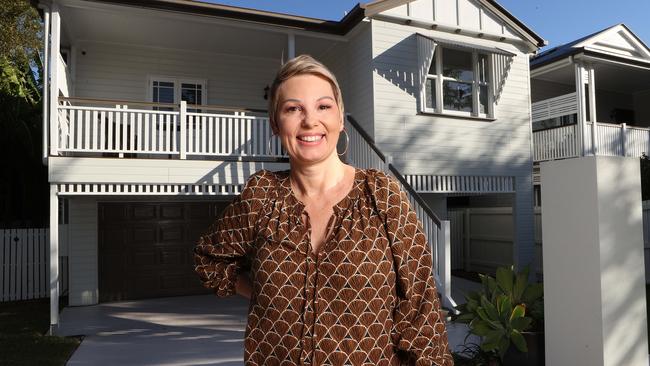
{"x":347,"y":142}
{"x":268,"y":145}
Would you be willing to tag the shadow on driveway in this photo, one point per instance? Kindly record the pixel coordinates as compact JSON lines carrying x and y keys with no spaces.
{"x":189,"y":330}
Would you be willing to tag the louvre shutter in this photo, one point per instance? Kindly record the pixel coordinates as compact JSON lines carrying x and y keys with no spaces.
{"x":426,"y":49}
{"x":501,"y":64}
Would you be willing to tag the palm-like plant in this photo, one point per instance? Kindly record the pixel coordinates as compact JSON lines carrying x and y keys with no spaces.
{"x":503,"y":309}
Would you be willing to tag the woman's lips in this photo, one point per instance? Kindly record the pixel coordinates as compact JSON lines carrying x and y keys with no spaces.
{"x":310,"y":139}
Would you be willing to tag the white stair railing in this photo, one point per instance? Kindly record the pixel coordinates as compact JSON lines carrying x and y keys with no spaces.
{"x":363,"y":153}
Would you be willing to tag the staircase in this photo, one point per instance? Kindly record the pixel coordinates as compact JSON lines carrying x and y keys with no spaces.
{"x":363,"y":153}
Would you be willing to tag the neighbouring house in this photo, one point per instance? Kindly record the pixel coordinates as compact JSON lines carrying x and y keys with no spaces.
{"x":156,"y":116}
{"x":592,"y":97}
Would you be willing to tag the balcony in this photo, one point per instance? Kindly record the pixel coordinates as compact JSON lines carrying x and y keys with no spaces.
{"x":127,"y":129}
{"x":607,"y":139}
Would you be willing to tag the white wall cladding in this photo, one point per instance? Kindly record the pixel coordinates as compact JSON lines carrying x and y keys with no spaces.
{"x":90,"y":171}
{"x":351,"y":62}
{"x":115,"y":71}
{"x":468,"y":14}
{"x":82,"y":251}
{"x":438,"y":145}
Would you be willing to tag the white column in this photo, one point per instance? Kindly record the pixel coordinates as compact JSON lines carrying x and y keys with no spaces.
{"x":582,"y":110}
{"x":291,"y":47}
{"x":54,"y":259}
{"x":592,"y":110}
{"x":46,"y":81}
{"x":594,"y":278}
{"x":55,"y":40}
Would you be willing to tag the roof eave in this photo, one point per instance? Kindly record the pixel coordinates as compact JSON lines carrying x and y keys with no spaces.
{"x":231,"y":12}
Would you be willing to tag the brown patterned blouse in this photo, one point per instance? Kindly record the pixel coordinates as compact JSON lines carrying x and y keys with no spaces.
{"x":367,"y":297}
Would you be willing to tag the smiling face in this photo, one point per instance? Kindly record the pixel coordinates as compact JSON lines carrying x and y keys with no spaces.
{"x":308,"y":119}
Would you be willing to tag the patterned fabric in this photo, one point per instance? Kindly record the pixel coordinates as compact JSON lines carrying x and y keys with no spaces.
{"x":367,"y":297}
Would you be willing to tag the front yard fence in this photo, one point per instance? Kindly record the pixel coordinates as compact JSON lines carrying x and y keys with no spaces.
{"x":24,"y":261}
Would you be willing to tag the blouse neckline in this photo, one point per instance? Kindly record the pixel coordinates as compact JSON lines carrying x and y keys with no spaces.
{"x":354,"y":192}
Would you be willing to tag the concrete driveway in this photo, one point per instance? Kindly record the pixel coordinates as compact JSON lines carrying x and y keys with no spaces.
{"x":189,"y":330}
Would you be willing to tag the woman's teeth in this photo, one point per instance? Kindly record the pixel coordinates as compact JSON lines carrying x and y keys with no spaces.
{"x":310,"y":138}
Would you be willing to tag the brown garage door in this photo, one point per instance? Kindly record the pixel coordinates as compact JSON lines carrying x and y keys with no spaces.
{"x":145,"y":249}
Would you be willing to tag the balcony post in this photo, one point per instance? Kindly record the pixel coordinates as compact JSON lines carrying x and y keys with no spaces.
{"x":592,"y":110}
{"x":54,"y":259}
{"x":182,"y":122}
{"x":55,"y":39}
{"x":624,"y":139}
{"x":582,"y":118}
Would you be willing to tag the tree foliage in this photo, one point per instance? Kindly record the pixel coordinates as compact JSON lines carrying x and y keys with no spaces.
{"x":23,"y":178}
{"x":20,"y":40}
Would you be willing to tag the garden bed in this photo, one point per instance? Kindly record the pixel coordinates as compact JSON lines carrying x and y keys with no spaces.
{"x":23,"y":339}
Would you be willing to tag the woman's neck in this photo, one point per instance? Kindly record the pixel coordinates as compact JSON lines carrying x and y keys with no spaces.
{"x":316,"y":179}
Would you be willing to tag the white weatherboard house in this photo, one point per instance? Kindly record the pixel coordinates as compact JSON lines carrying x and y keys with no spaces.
{"x":592,"y":97}
{"x":156,"y":117}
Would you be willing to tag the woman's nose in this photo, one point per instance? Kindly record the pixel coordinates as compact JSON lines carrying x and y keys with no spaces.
{"x":309,"y":117}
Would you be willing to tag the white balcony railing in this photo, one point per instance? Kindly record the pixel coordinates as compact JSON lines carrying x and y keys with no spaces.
{"x":610,"y":140}
{"x":124,"y":130}
{"x":556,"y":143}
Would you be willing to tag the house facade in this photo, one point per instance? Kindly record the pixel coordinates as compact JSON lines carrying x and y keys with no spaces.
{"x":592,"y":97}
{"x":156,"y":116}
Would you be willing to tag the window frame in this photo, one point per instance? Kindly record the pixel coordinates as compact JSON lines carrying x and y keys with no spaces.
{"x":476,"y":84}
{"x":177,"y":81}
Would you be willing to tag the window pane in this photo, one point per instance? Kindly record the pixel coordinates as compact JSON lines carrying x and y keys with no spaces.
{"x":483,"y":99}
{"x":430,"y":93}
{"x":457,"y":64}
{"x":457,"y":96}
{"x":190,"y":86}
{"x":189,"y":96}
{"x":165,"y":95}
{"x":432,"y":69}
{"x":482,"y":68}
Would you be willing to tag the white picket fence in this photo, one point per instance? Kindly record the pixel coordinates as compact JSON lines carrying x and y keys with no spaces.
{"x":25,"y":263}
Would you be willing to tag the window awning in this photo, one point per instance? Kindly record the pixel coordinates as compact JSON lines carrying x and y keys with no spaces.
{"x":469,"y":46}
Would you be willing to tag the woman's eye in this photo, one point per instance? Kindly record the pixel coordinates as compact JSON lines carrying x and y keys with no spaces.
{"x":325,"y":106}
{"x":292,"y":108}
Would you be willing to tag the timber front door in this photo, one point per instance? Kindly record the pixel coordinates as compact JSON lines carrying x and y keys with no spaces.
{"x":145,"y":248}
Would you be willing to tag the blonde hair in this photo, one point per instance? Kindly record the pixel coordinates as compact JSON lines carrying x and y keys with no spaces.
{"x":301,"y":65}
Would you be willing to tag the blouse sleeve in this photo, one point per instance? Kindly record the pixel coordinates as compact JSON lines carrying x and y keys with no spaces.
{"x":418,"y":326}
{"x":220,"y":253}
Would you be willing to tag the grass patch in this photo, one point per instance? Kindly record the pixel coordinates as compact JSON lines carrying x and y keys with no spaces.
{"x":23,"y":325}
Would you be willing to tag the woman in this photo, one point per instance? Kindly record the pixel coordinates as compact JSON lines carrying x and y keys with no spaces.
{"x":340,"y":271}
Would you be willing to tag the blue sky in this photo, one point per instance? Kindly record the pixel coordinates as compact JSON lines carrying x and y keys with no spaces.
{"x":557,"y":21}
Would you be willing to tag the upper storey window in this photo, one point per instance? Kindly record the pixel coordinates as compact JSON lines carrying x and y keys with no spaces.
{"x":458,"y":80}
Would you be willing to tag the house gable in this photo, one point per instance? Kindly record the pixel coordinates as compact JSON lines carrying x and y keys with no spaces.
{"x":617,"y":41}
{"x":482,"y":18}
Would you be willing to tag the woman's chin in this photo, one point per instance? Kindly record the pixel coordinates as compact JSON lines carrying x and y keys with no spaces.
{"x":309,"y":157}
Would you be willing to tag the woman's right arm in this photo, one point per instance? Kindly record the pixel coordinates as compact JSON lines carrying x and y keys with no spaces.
{"x":220,"y":253}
